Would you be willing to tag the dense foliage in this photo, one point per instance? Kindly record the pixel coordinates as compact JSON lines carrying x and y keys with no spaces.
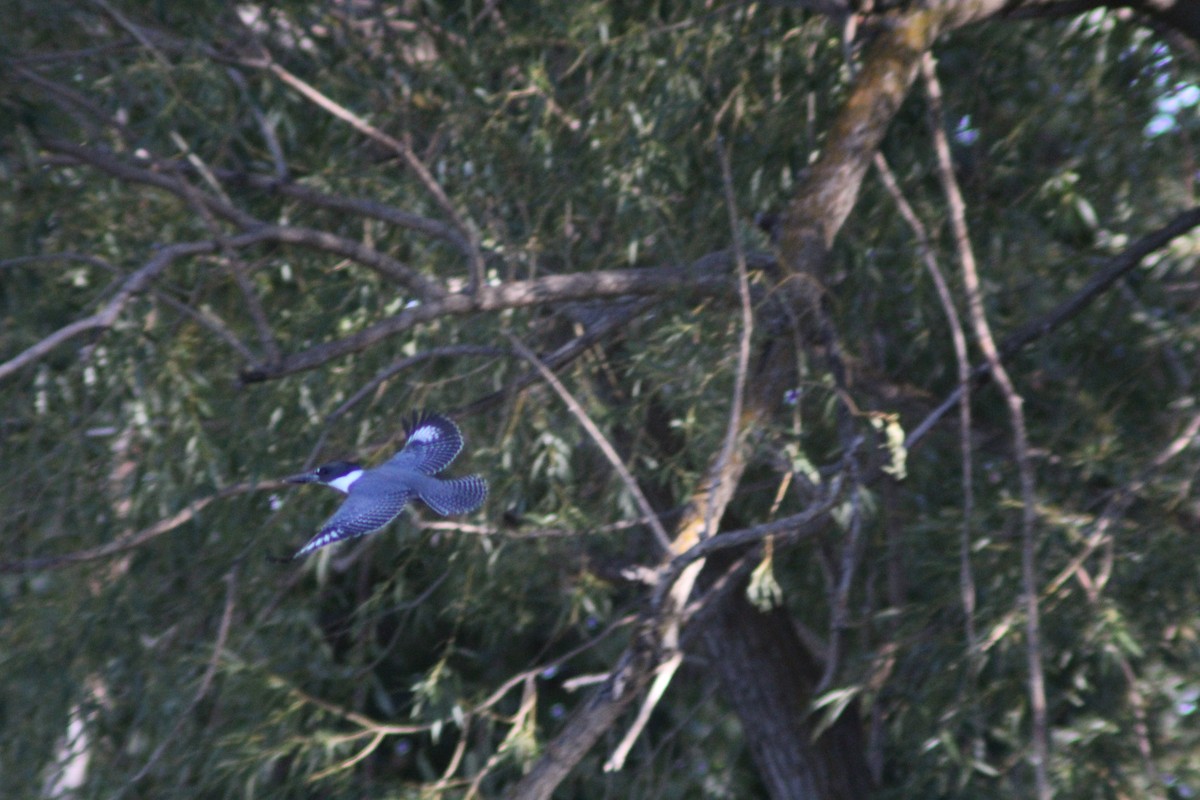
{"x":377,"y":196}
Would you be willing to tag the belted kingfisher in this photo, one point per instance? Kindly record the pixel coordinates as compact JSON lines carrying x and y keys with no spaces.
{"x":374,"y":497}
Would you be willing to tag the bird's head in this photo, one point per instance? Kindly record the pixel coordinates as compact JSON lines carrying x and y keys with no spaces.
{"x":339,"y":475}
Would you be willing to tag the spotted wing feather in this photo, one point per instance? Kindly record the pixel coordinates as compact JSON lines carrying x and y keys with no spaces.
{"x":455,"y":496}
{"x":358,"y":516}
{"x":433,"y":442}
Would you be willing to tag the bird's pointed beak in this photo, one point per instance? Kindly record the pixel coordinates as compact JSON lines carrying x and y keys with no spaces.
{"x":303,"y":477}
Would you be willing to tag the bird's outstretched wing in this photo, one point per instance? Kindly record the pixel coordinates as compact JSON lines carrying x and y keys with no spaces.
{"x":433,"y":442}
{"x":358,"y":516}
{"x":454,"y":496}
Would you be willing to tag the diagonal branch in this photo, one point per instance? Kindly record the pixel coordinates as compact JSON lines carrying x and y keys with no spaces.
{"x":354,"y":205}
{"x":681,"y":585}
{"x":598,"y":437}
{"x":703,"y":276}
{"x":136,"y":538}
{"x":1118,"y":266}
{"x":387,"y":266}
{"x":618,"y":314}
{"x":140,"y":281}
{"x":107,"y":316}
{"x":958,"y":224}
{"x":414,"y":164}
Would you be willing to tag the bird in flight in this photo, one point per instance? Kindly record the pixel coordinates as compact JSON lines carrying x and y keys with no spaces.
{"x":374,"y":497}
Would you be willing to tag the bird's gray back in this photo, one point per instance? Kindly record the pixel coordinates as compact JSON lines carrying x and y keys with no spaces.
{"x":374,"y":499}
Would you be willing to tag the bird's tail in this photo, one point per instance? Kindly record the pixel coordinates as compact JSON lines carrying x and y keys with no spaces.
{"x":455,"y":496}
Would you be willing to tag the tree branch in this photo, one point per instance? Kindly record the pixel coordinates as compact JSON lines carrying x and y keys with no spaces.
{"x":598,"y":437}
{"x":391,"y":268}
{"x":353,"y":205}
{"x":1118,"y":266}
{"x":137,"y":538}
{"x":1040,"y":733}
{"x":104,"y":319}
{"x":414,"y":164}
{"x":701,"y":276}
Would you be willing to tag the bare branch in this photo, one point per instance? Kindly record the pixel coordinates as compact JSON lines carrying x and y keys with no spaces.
{"x":136,"y":539}
{"x":701,"y":276}
{"x":202,"y":317}
{"x":958,"y":222}
{"x":391,"y":268}
{"x":616,"y":316}
{"x":414,"y":164}
{"x":139,"y":282}
{"x":207,"y":319}
{"x":792,"y":528}
{"x":354,"y":205}
{"x":598,"y":437}
{"x":662,"y":679}
{"x":423,"y":288}
{"x":108,"y":162}
{"x":138,"y":33}
{"x":254,"y":307}
{"x":733,"y":426}
{"x":1119,"y":265}
{"x":839,"y":612}
{"x":265,"y":125}
{"x":962,"y":360}
{"x":206,"y":682}
{"x":104,"y":319}
{"x":84,"y":258}
{"x":91,"y":116}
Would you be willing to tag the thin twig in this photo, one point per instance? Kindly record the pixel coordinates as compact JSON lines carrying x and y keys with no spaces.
{"x":1119,"y":265}
{"x":966,"y":573}
{"x":376,"y":738}
{"x":839,"y":612}
{"x":424,"y":288}
{"x":208,"y":320}
{"x":137,"y":33}
{"x":662,"y":679}
{"x":265,"y":125}
{"x":400,"y":148}
{"x":701,"y":276}
{"x":402,"y":364}
{"x":1040,"y":754}
{"x":85,"y":258}
{"x":137,"y":538}
{"x":369,"y":726}
{"x":734,"y":425}
{"x":598,"y":437}
{"x":791,"y":528}
{"x":107,"y":316}
{"x":91,"y":116}
{"x":258,"y":315}
{"x":206,"y":682}
{"x":363,"y":207}
{"x":617,"y":315}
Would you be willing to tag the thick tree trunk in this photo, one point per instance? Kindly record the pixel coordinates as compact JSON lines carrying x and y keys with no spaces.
{"x":768,"y":676}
